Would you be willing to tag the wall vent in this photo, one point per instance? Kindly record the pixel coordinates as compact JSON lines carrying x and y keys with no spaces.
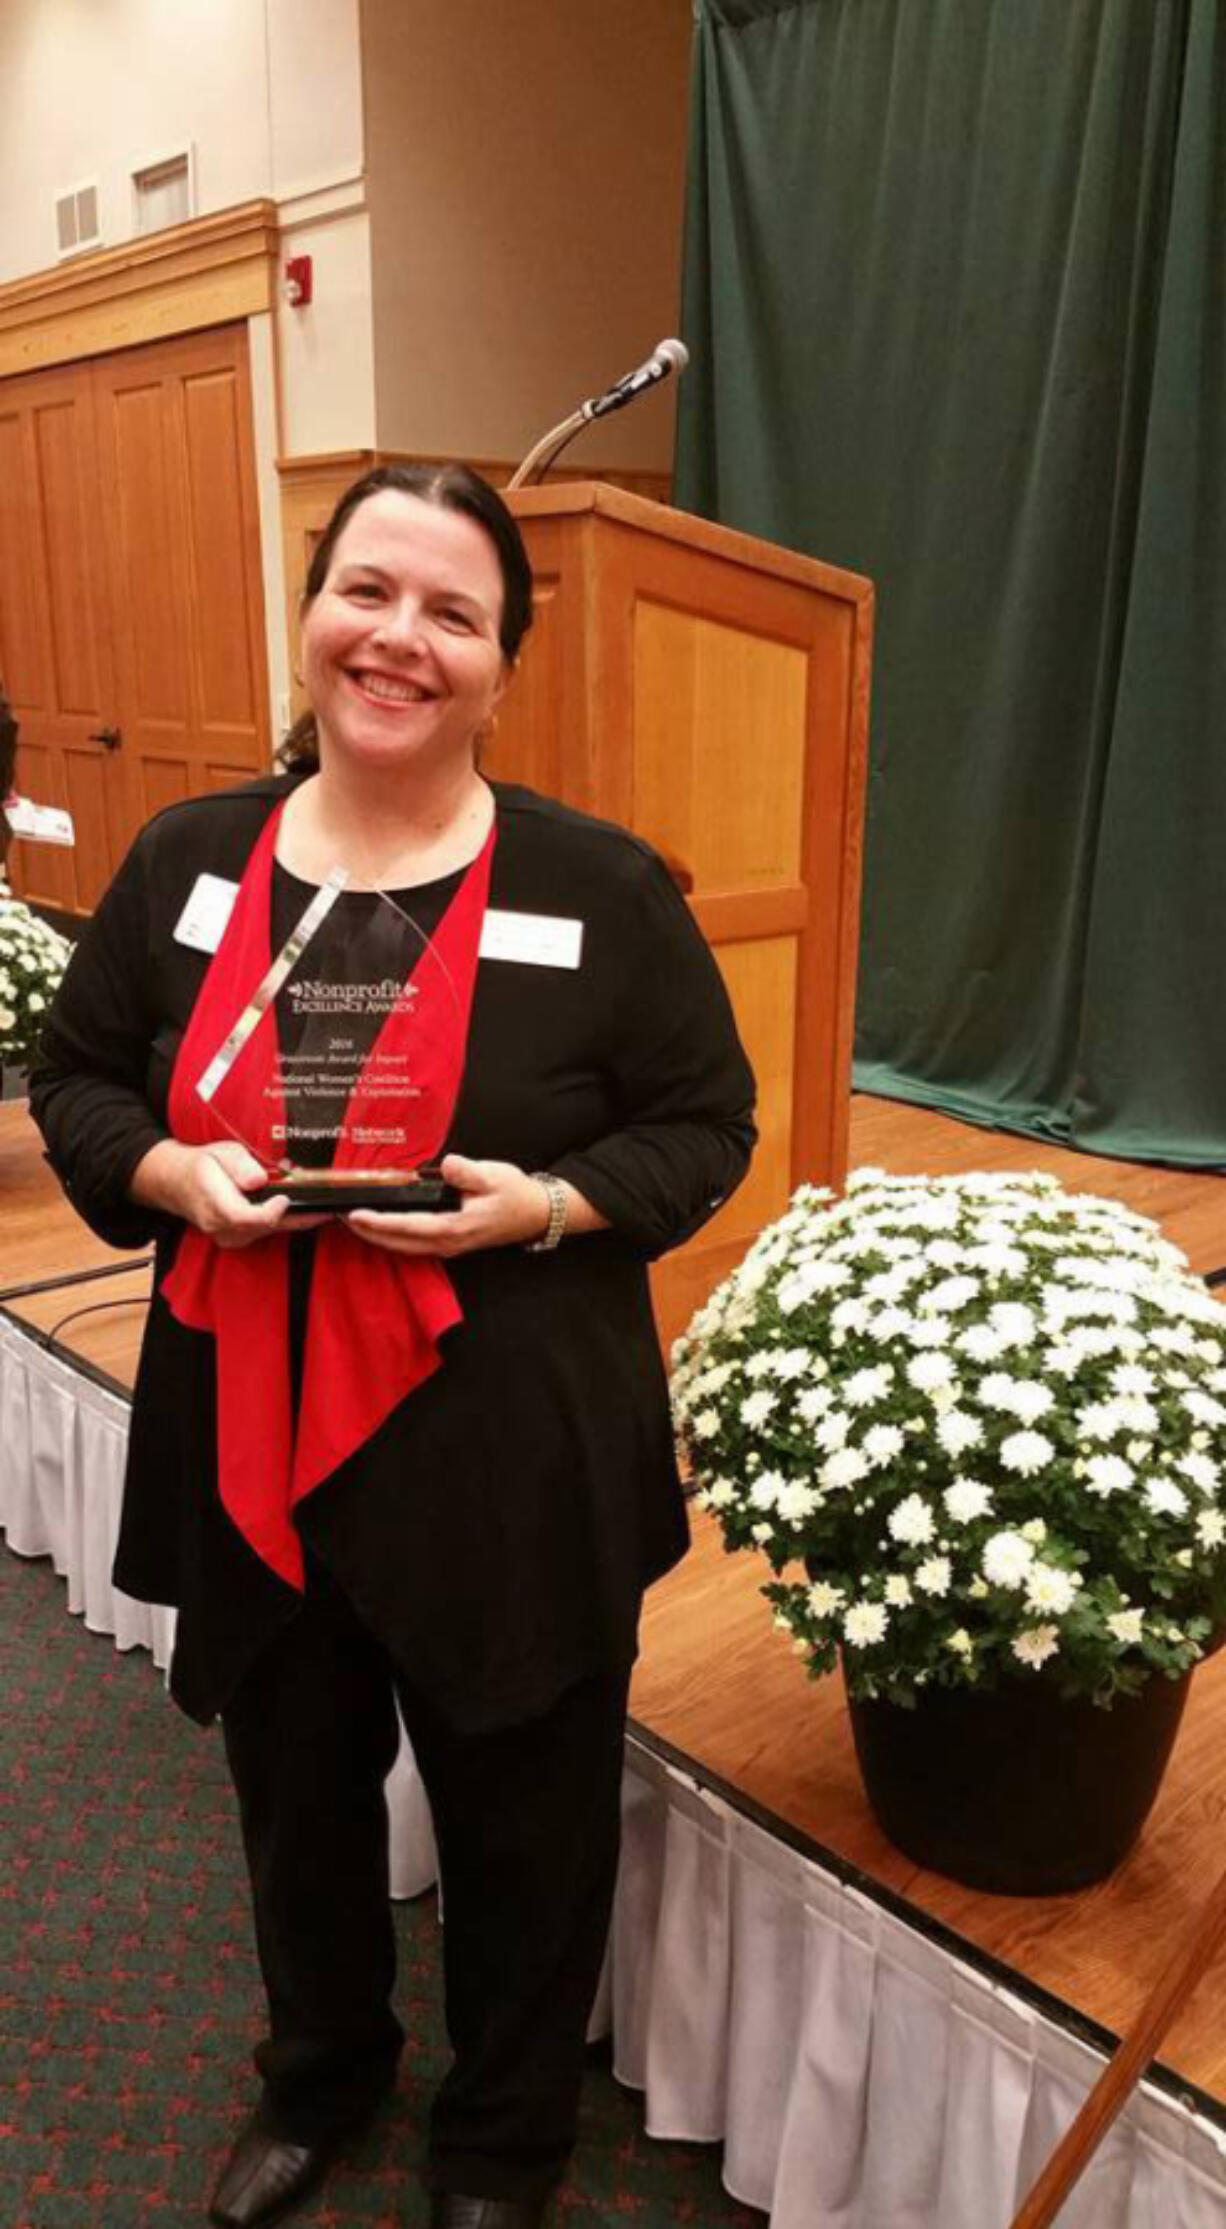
{"x":164,"y":191}
{"x":76,"y":220}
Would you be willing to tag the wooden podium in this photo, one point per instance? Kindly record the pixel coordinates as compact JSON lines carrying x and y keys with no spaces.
{"x":711,"y":692}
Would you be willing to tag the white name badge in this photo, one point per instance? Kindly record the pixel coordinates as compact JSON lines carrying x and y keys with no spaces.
{"x":543,"y":939}
{"x":203,"y":920}
{"x":39,"y":824}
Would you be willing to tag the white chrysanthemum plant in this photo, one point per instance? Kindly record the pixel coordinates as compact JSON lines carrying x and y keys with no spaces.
{"x":32,"y":960}
{"x":977,"y":1425}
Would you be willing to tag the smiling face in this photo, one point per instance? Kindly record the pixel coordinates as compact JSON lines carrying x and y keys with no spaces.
{"x":401,"y":656}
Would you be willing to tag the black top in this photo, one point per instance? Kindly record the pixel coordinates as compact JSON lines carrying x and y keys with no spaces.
{"x":497,"y":1530}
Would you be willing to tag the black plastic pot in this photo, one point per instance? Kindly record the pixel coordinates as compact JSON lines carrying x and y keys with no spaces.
{"x":1017,"y":1791}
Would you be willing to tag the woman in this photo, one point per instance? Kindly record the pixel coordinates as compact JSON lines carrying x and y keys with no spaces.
{"x":421,"y":1458}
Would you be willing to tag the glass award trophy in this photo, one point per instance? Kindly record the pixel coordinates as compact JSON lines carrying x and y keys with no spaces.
{"x":341,"y":1072}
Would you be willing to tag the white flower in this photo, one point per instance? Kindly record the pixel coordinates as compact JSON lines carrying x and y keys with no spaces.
{"x":796,"y":1501}
{"x":1126,"y":1626}
{"x":967,"y":1498}
{"x":1048,"y":1588}
{"x":960,"y":1642}
{"x":1200,"y":1470}
{"x":1200,"y":1406}
{"x":911,"y":1521}
{"x":1129,"y":1377}
{"x":706,"y":1426}
{"x":957,"y":1432}
{"x":825,"y":1599}
{"x":846,"y":1467}
{"x":1032,"y":1400}
{"x":997,"y":1389}
{"x":1100,"y":1420}
{"x":1035,"y":1530}
{"x":722,"y":1494}
{"x":865,"y":1386}
{"x":1014,"y":1322}
{"x":814,"y":1402}
{"x":1007,"y":1559}
{"x":1036,"y":1645}
{"x":981,"y":1342}
{"x":1024,"y":1398}
{"x":926,"y":1371}
{"x":865,"y":1624}
{"x":832,"y":1430}
{"x":952,"y":1293}
{"x":1138,"y":1414}
{"x":1165,"y":1498}
{"x":881,"y":1444}
{"x":897,"y":1591}
{"x":792,"y":1362}
{"x":1211,"y":1528}
{"x":934,"y":1575}
{"x":764,"y":1493}
{"x":998,"y":1259}
{"x":891,"y":1323}
{"x":929,"y":1331}
{"x":756,"y":1407}
{"x":1027,"y":1452}
{"x":1108,"y":1474}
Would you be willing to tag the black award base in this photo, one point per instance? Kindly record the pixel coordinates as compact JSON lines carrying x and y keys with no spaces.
{"x":339,"y":1191}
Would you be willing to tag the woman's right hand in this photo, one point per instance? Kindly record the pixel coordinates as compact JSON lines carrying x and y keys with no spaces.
{"x":205,"y":1185}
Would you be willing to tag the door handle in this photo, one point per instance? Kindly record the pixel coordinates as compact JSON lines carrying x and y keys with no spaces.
{"x":110,"y":738}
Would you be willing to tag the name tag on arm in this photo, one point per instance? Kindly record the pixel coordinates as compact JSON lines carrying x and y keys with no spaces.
{"x":202,"y":923}
{"x":542,"y":939}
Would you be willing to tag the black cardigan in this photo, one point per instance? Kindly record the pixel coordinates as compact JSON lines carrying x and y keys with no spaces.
{"x":498,"y":1529}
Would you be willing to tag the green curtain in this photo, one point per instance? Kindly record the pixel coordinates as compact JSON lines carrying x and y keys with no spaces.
{"x":955,"y":291}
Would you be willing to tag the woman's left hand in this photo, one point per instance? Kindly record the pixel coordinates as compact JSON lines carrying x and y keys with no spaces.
{"x":501,"y":1206}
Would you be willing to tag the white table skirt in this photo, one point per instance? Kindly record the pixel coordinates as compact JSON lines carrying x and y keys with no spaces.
{"x":859,"y":2074}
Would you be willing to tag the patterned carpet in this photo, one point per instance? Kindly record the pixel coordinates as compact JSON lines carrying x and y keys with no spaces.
{"x":129,"y":1996}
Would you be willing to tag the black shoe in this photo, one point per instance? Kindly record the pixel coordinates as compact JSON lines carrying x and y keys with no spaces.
{"x":452,"y":2211}
{"x":265,"y":2177}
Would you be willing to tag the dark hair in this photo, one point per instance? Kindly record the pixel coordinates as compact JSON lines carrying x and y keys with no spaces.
{"x":8,"y":746}
{"x":453,"y":487}
{"x":8,"y":771}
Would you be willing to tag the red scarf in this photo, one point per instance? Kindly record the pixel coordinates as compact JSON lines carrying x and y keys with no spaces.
{"x":375,"y":1318}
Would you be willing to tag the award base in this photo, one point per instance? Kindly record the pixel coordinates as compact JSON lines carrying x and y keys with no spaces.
{"x":339,"y":1191}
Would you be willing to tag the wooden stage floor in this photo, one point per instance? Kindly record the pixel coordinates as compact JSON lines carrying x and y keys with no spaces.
{"x":719,"y":1686}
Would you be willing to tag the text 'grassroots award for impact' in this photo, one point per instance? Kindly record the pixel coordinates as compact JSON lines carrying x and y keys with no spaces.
{"x":340,"y":1074}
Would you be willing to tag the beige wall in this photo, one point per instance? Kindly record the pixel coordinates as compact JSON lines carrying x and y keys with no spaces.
{"x":525,"y":170}
{"x":269,"y":93}
{"x":95,"y":88}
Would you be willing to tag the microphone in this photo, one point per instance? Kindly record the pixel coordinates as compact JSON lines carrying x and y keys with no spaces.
{"x":666,"y":358}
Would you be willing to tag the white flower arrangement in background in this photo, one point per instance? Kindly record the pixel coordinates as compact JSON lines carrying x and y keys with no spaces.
{"x":977,"y":1424}
{"x":32,"y":960}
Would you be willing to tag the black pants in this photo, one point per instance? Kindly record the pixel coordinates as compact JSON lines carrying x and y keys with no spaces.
{"x":527,"y":1822}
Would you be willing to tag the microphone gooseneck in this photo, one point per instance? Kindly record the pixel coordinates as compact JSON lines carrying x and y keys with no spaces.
{"x":667,"y":357}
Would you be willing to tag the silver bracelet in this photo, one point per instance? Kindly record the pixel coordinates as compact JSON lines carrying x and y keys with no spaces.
{"x":559,"y":1206}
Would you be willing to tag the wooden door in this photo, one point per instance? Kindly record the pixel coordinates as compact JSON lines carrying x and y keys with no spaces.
{"x":178,"y":481}
{"x":164,"y":538}
{"x":55,"y":642}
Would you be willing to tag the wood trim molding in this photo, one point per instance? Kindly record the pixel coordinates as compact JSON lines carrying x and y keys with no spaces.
{"x":209,"y":272}
{"x":343,"y":465}
{"x":619,"y":496}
